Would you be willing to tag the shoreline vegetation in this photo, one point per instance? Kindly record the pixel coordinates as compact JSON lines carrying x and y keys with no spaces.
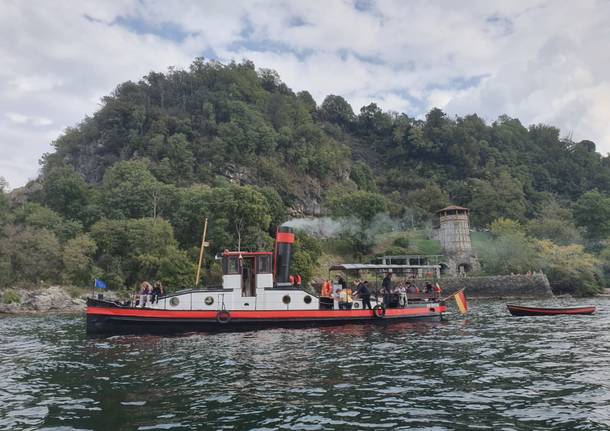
{"x":123,"y":194}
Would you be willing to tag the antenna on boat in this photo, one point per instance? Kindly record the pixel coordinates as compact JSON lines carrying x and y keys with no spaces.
{"x":204,"y":244}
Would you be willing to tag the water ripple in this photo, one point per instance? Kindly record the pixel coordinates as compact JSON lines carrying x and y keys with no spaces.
{"x":487,"y":371}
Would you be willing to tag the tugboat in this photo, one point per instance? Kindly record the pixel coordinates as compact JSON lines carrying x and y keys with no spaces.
{"x":256,"y":293}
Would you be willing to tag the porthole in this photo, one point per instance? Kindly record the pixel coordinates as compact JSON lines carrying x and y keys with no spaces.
{"x":174,"y":301}
{"x":356,"y":305}
{"x":209,"y":300}
{"x":286,"y":299}
{"x":307,"y":299}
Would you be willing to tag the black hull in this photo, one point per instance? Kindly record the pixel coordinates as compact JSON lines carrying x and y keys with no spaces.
{"x":98,"y":325}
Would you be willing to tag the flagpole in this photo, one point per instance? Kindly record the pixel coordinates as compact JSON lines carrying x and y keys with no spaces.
{"x":205,"y":230}
{"x":93,"y":290}
{"x":453,"y":294}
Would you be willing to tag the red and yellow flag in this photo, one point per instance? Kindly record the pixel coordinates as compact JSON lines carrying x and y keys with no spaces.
{"x":460,"y":300}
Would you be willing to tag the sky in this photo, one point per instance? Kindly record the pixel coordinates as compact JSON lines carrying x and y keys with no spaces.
{"x":539,"y":61}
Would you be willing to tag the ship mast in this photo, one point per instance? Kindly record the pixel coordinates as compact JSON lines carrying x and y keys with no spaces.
{"x":204,"y":244}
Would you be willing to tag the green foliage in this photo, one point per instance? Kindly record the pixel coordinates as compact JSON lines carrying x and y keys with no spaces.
{"x":77,"y":260}
{"x":306,"y":251}
{"x":430,"y":198}
{"x":30,"y":254}
{"x":133,"y":250}
{"x":66,"y":192}
{"x":130,"y":190}
{"x":592,"y":211}
{"x":569,"y":268}
{"x":363,"y":176}
{"x":335,"y":109}
{"x":511,"y":253}
{"x":10,"y":297}
{"x":360,"y":205}
{"x":38,"y":216}
{"x":505,"y":227}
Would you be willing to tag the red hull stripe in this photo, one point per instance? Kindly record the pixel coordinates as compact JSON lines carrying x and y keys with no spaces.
{"x":274,"y":314}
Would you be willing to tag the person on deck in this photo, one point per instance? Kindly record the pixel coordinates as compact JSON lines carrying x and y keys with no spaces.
{"x":291,"y":280}
{"x":157,"y":291}
{"x":341,"y":282}
{"x":365,"y":294}
{"x":345,"y":298}
{"x":402,"y":296}
{"x":326,"y":296}
{"x":386,"y":284}
{"x":428,"y":289}
{"x":299,"y":280}
{"x":437,"y":291}
{"x":145,"y":292}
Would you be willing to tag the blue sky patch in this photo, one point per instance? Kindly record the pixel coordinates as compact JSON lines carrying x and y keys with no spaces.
{"x":166,"y":30}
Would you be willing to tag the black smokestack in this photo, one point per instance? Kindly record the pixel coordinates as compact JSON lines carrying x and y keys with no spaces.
{"x":283,"y":253}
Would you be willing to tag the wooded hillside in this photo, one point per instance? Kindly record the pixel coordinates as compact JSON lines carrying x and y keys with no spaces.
{"x":123,"y":194}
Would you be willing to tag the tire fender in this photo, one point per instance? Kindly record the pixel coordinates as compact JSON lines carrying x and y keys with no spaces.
{"x":223,"y":317}
{"x":379,"y":311}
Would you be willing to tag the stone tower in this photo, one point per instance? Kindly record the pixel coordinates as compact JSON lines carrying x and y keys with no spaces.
{"x":454,"y":235}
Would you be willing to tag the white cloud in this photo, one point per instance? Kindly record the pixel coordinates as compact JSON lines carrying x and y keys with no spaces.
{"x":536,"y":60}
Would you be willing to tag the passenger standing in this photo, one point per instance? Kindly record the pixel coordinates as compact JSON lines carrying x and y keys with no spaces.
{"x":299,"y":280}
{"x":437,"y":291}
{"x":365,"y":294}
{"x":343,"y":299}
{"x":341,"y":282}
{"x":326,"y":296}
{"x":387,"y":289}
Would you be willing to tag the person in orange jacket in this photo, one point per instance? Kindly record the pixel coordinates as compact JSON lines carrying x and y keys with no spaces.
{"x":326,"y":296}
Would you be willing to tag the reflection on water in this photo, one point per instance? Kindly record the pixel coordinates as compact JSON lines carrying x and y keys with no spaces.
{"x":488,"y":370}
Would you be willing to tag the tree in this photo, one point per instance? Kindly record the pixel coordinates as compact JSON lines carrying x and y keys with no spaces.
{"x":510,"y":252}
{"x":363,"y":176}
{"x":133,"y":250}
{"x":66,"y":192}
{"x":431,"y":198}
{"x":306,"y":251}
{"x":35,"y":255}
{"x":360,"y":204}
{"x":569,"y":268}
{"x":130,"y":190}
{"x":592,"y":211}
{"x":77,"y":257}
{"x":335,"y":109}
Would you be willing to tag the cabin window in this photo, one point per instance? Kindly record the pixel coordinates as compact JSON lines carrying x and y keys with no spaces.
{"x":286,"y":299}
{"x":209,"y":300}
{"x":231,"y":265}
{"x":307,"y":299}
{"x":264,"y":264}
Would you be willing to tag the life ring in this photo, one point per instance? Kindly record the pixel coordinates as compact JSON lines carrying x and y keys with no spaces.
{"x":379,"y":311}
{"x":223,"y":317}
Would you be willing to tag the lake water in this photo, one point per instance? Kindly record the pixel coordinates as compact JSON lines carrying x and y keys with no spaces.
{"x":484,"y":371}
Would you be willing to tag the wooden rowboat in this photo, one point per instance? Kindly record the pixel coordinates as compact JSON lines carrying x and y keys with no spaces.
{"x":519,"y":310}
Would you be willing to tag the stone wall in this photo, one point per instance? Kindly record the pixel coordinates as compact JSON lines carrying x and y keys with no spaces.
{"x":504,"y":286}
